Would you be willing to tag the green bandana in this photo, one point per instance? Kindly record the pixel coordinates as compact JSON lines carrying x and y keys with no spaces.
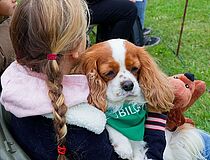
{"x":129,"y":120}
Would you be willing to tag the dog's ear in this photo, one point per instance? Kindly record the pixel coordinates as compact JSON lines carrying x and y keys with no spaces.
{"x":156,"y":88}
{"x":87,"y":65}
{"x":98,"y":86}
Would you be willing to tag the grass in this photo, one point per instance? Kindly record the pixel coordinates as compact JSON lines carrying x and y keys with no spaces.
{"x":165,"y":18}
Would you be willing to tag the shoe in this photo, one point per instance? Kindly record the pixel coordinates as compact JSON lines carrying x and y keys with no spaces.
{"x":147,"y":31}
{"x":151,"y":41}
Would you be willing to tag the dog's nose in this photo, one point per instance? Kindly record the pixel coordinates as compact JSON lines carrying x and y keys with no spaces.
{"x":127,"y":85}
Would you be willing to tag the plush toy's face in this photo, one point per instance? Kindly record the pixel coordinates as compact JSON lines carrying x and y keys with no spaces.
{"x":186,"y":91}
{"x":183,"y":90}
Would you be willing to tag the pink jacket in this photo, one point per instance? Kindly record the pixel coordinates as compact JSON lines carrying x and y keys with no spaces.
{"x":25,"y":93}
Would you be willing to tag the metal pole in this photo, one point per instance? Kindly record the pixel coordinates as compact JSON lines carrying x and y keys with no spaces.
{"x":182,"y":26}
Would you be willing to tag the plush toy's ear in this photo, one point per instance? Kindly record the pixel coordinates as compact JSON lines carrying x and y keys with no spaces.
{"x":88,"y":65}
{"x":200,"y":88}
{"x":155,"y":85}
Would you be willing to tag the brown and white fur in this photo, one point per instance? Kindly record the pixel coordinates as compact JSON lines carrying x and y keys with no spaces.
{"x":109,"y":65}
{"x":118,"y":71}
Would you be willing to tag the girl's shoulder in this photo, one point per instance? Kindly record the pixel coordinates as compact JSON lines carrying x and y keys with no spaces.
{"x":24,"y":91}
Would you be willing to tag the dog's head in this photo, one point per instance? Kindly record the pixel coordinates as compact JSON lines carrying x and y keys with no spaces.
{"x":116,"y":68}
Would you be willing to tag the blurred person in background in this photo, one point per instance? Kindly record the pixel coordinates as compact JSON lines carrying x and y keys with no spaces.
{"x":7,"y":55}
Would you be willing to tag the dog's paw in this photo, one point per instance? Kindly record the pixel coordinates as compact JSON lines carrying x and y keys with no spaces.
{"x":125,"y":152}
{"x":121,"y":144}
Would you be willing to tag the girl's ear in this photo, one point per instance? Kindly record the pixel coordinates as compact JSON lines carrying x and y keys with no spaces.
{"x":154,"y":83}
{"x":75,"y":54}
{"x":87,"y":65}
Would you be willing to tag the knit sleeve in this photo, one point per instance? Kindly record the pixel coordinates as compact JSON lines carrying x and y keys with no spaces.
{"x":155,"y":135}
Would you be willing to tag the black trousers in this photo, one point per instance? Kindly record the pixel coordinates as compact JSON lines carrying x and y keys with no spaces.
{"x":115,"y":18}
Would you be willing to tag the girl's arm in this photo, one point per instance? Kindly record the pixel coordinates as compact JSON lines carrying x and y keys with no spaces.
{"x":155,"y":135}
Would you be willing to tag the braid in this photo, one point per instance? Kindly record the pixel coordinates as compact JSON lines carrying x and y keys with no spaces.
{"x":57,"y":99}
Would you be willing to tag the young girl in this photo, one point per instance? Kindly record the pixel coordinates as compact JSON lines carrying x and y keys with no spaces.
{"x":47,"y":36}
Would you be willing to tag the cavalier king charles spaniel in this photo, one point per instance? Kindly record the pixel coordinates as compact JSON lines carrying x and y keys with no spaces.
{"x":119,"y":71}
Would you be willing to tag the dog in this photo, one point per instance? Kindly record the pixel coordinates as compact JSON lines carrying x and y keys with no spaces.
{"x":118,"y":71}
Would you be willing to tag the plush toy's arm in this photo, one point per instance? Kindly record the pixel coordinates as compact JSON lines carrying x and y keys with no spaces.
{"x":175,"y":119}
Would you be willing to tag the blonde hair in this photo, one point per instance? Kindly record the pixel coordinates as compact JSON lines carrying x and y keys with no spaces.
{"x":41,"y":27}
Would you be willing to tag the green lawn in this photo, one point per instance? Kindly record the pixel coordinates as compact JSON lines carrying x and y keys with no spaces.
{"x":165,"y":17}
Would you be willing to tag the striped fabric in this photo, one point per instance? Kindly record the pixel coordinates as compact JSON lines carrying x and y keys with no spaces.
{"x":156,"y":121}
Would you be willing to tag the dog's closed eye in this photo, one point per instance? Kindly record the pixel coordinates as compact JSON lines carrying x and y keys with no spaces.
{"x":134,"y":70}
{"x":110,"y":74}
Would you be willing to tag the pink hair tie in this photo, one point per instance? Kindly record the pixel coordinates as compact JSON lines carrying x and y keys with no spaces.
{"x":52,"y":56}
{"x":61,"y":150}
